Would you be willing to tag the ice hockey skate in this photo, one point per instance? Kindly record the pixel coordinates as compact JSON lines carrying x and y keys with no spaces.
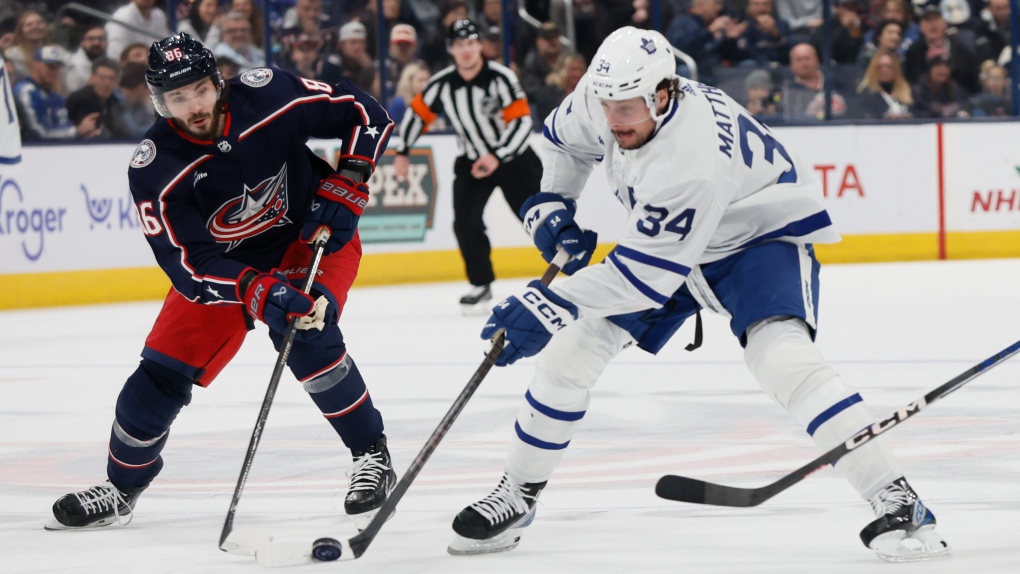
{"x":100,"y":505}
{"x":477,"y":301}
{"x":494,"y":523}
{"x":371,"y":479}
{"x":905,"y":528}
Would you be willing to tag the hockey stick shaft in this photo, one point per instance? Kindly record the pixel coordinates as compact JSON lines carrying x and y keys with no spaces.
{"x":360,"y":542}
{"x":274,"y":382}
{"x":700,"y":492}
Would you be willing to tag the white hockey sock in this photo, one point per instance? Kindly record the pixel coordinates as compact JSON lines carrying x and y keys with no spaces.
{"x":559,"y":395}
{"x":791,"y":370}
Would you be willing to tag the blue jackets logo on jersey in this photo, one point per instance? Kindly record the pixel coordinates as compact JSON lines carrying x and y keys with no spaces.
{"x":258,"y":209}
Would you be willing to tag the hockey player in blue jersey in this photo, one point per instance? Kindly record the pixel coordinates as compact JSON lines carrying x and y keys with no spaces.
{"x":229,"y":197}
{"x":722,"y":217}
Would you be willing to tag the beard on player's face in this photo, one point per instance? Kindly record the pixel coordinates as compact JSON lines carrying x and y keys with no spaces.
{"x":202,"y":124}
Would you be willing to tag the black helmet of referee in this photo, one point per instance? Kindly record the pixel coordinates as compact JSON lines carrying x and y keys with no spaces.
{"x":462,"y":30}
{"x":178,"y":61}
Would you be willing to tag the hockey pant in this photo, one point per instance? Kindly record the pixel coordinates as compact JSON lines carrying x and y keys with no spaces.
{"x":191,"y":343}
{"x":779,"y":353}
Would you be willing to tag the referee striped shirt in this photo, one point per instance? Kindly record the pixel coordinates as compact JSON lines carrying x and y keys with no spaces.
{"x":490,"y":113}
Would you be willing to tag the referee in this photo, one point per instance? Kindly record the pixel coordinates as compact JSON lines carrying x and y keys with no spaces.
{"x":488,"y":109}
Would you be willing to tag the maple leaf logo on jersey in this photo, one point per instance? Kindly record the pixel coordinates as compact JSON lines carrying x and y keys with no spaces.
{"x":259,"y":208}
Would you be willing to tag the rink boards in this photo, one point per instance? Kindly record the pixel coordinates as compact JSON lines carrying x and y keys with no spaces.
{"x":69,"y":232}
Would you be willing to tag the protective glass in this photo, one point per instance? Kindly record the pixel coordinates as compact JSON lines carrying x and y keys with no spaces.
{"x":625,"y":112}
{"x":189,"y":99}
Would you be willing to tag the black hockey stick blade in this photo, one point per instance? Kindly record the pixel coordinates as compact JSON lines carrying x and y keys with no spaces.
{"x":683,"y":489}
{"x":260,"y":423}
{"x":354,"y":547}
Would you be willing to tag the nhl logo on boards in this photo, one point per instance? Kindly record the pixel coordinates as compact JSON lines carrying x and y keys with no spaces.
{"x":224,"y":146}
{"x":144,"y":154}
{"x":257,"y":78}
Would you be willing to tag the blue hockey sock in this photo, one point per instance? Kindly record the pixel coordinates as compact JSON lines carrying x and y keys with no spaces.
{"x":146,"y":407}
{"x":341,"y":395}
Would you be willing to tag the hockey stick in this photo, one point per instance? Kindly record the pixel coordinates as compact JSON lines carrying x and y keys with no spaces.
{"x":697,"y":491}
{"x":239,"y":546}
{"x":285,"y":553}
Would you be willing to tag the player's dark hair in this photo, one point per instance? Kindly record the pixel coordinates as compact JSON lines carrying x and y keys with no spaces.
{"x":672,"y":87}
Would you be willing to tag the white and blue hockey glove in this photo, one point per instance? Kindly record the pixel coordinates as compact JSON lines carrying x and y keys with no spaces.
{"x":530,"y":320}
{"x":338,"y":205}
{"x":549,"y":219}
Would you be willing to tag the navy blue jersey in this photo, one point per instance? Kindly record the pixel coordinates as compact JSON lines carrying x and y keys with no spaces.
{"x":212,"y":209}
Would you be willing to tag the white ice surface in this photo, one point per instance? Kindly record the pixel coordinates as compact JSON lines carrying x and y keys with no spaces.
{"x":894,"y":330}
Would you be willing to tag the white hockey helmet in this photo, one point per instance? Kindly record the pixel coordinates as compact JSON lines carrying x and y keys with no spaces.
{"x":631,"y":63}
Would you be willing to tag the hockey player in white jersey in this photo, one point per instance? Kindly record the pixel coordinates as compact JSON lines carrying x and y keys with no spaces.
{"x":722,"y":217}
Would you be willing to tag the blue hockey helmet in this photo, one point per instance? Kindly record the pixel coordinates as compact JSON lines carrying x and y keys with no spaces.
{"x":178,"y":61}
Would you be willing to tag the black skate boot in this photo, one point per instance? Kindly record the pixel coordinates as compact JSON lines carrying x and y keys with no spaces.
{"x":477,"y":300}
{"x":371,"y":479}
{"x":905,"y":528}
{"x":101,"y":505}
{"x":494,"y":523}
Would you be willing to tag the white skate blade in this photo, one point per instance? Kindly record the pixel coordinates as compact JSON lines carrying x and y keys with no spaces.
{"x":361,"y":521}
{"x":244,"y":542}
{"x":924,"y":544}
{"x":478,"y":309}
{"x":53,"y":525}
{"x":503,"y":542}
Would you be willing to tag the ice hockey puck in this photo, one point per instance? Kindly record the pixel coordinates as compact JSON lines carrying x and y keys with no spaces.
{"x":326,"y":550}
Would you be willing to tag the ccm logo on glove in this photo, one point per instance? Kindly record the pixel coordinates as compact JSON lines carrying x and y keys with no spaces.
{"x":534,"y":300}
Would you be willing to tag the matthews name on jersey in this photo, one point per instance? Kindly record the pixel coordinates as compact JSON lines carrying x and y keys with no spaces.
{"x":732,"y":185}
{"x":211,"y":209}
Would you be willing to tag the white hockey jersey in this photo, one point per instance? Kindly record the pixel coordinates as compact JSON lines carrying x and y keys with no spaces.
{"x":10,"y":129}
{"x":710,"y":182}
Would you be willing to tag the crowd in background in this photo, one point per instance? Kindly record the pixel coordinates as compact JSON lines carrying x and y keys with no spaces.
{"x":77,"y":76}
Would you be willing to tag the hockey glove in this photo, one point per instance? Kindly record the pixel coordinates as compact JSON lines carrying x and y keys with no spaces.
{"x":549,"y":219}
{"x":273,"y":300}
{"x":338,"y":204}
{"x":529,"y":320}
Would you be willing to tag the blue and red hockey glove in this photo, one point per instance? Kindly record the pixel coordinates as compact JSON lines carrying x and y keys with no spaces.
{"x":530,"y":320}
{"x":273,"y":300}
{"x":549,"y":219}
{"x":337,"y":205}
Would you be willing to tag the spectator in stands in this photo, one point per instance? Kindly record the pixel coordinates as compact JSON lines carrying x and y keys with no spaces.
{"x":847,"y":28}
{"x":42,"y":111}
{"x":394,"y":12}
{"x":885,"y":93}
{"x":412,"y":81}
{"x":706,"y":35}
{"x":132,"y":113}
{"x":938,"y":95}
{"x":140,"y":14}
{"x":888,"y":37}
{"x":935,"y":41}
{"x":897,"y":11}
{"x":402,"y":50}
{"x":539,"y":62}
{"x":433,"y":50}
{"x":227,"y":67}
{"x":766,"y":38}
{"x":79,"y":65}
{"x":995,"y":98}
{"x":761,"y":95}
{"x":566,"y":73}
{"x":351,"y":62}
{"x":254,"y":17}
{"x":97,"y":96}
{"x":993,"y":30}
{"x":492,"y":47}
{"x":301,"y":53}
{"x":237,"y":43}
{"x":804,"y":16}
{"x":30,"y":35}
{"x":308,"y":17}
{"x":804,"y":97}
{"x":137,"y":53}
{"x":203,"y":22}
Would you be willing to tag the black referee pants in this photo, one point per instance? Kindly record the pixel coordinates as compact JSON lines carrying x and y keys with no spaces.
{"x":519,"y":179}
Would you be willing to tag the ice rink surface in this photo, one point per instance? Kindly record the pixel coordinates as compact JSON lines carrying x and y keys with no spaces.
{"x":894,"y":330}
